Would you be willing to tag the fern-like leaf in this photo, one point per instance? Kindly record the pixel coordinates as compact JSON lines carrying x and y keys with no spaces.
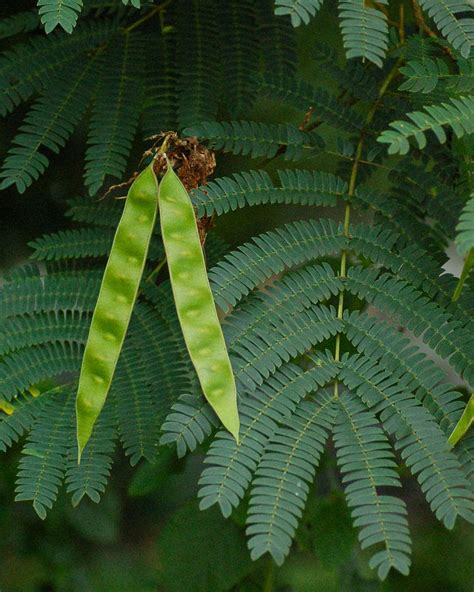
{"x":253,"y":188}
{"x":364,"y":30}
{"x":32,"y":329}
{"x":270,"y":253}
{"x":425,"y":319}
{"x":198,"y":71}
{"x":239,"y":53}
{"x":190,"y":422}
{"x":116,"y":111}
{"x":278,"y":40}
{"x":26,"y":409}
{"x":300,"y":11}
{"x":63,"y":13}
{"x":367,"y":463}
{"x":256,"y":356}
{"x":56,"y":291}
{"x":165,"y":360}
{"x":160,"y":109}
{"x":21,"y":22}
{"x":283,"y":476}
{"x":425,"y":76}
{"x":256,"y":139}
{"x":458,"y":114}
{"x":302,"y":96}
{"x":44,"y":460}
{"x":26,"y":367}
{"x":232,"y":465}
{"x":465,"y":228}
{"x":90,"y":477}
{"x":458,"y":31}
{"x":49,"y":125}
{"x":130,"y":394}
{"x":27,"y":67}
{"x":413,"y":370}
{"x":422,"y":444}
{"x":295,"y":291}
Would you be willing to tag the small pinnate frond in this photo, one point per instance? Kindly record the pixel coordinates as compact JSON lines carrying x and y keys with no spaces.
{"x":90,"y":477}
{"x":166,"y":365}
{"x":44,"y":460}
{"x":366,"y":463}
{"x":21,"y":22}
{"x":55,"y":291}
{"x":239,"y":54}
{"x":256,"y":140}
{"x":279,"y":49}
{"x":160,"y":111}
{"x":423,"y":317}
{"x":26,"y":409}
{"x":116,"y":111}
{"x":364,"y":30}
{"x":73,"y":244}
{"x":301,"y":95}
{"x":300,"y":11}
{"x":257,"y":355}
{"x":413,"y":370}
{"x":103,"y":213}
{"x":25,"y":69}
{"x":465,"y":228}
{"x":130,"y":394}
{"x":48,"y":124}
{"x":198,"y":71}
{"x":281,"y":483}
{"x":399,"y":218}
{"x":28,"y":366}
{"x":269,"y":254}
{"x":357,"y":78}
{"x":422,"y":444}
{"x":297,"y":290}
{"x":232,"y":465}
{"x":425,"y":76}
{"x":253,"y":188}
{"x":458,"y":31}
{"x":32,"y":329}
{"x":63,"y":13}
{"x":464,"y":81}
{"x":83,"y":243}
{"x":189,"y":423}
{"x":458,"y":114}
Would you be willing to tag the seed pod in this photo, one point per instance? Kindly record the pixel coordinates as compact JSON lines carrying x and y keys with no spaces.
{"x":194,"y":301}
{"x":464,"y":424}
{"x":114,"y":306}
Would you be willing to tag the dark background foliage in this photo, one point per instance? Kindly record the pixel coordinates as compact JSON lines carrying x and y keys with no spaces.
{"x":147,"y":533}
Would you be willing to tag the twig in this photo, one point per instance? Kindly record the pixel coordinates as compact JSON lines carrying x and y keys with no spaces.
{"x":147,"y":16}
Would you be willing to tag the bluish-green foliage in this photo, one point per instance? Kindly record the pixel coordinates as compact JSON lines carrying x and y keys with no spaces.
{"x":327,"y":316}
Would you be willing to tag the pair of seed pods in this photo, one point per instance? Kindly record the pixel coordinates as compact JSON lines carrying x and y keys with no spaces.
{"x":192,"y":295}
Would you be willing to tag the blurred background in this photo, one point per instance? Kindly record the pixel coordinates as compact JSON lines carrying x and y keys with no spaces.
{"x":147,"y":534}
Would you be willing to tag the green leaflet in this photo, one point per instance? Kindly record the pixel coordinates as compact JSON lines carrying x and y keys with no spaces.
{"x":116,"y":300}
{"x":194,"y":302}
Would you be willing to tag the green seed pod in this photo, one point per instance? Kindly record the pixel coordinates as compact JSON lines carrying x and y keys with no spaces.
{"x":114,"y":306}
{"x":465,"y":422}
{"x":194,"y":301}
